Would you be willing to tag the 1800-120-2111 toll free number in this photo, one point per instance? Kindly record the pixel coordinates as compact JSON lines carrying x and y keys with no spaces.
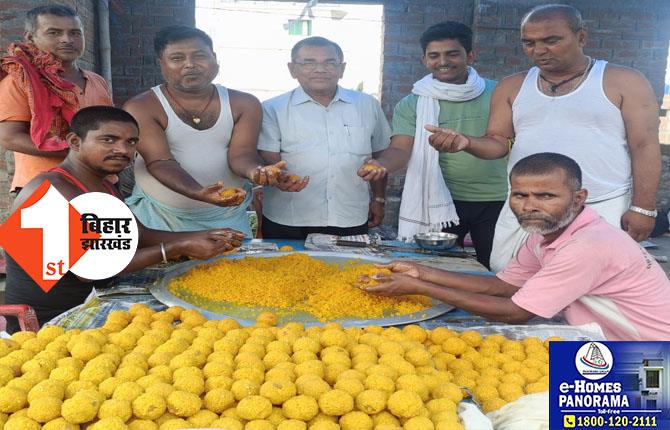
{"x":611,"y":421}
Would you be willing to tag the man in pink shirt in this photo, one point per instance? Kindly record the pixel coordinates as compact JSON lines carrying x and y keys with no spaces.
{"x":574,"y":263}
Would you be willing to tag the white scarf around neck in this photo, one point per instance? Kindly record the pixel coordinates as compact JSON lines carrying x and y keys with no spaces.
{"x":426,"y":203}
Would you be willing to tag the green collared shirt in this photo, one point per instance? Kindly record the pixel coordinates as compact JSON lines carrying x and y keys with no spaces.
{"x":468,"y":178}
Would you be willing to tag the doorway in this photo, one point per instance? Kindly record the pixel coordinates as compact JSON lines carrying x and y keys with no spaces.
{"x":253,"y":41}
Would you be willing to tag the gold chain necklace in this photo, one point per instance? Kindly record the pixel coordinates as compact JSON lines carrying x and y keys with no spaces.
{"x":196,"y":118}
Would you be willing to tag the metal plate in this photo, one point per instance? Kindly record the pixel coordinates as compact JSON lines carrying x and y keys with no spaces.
{"x":245,"y":315}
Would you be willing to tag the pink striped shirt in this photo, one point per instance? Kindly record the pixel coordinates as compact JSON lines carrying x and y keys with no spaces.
{"x":593,"y":272}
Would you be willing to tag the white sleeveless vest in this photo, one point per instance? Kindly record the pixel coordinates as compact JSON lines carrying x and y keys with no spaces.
{"x":202,"y":153}
{"x":583,"y":125}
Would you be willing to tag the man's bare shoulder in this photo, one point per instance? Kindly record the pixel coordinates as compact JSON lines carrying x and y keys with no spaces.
{"x":508,"y":87}
{"x":242,"y":99}
{"x":513,"y":82}
{"x":243,"y":103}
{"x":142,"y":101}
{"x":624,"y":76}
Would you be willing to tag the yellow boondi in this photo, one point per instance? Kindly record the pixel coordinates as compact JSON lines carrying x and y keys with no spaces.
{"x":296,"y":282}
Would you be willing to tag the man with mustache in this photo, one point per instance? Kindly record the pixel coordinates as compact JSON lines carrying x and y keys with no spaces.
{"x":453,"y":95}
{"x":102,"y":142}
{"x":573,"y":263}
{"x":197,"y":138}
{"x":42,"y":88}
{"x":328,"y":134}
{"x":602,"y":115}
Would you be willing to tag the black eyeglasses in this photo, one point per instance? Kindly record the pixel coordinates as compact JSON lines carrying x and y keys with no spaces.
{"x":310,"y":66}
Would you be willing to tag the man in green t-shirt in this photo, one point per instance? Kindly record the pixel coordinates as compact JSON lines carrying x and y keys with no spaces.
{"x":478,"y":187}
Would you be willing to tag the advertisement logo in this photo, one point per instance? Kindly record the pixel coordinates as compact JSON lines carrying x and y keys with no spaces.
{"x":94,"y":236}
{"x":594,"y":360}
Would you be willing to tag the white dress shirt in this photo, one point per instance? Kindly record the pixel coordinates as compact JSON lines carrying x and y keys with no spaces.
{"x":329,"y":144}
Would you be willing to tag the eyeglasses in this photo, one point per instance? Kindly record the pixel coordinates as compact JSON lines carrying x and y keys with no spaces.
{"x":310,"y":66}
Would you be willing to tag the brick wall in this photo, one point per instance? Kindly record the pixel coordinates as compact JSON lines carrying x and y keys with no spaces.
{"x":634,"y":34}
{"x":12,"y":14}
{"x":631,"y":33}
{"x":404,"y":21}
{"x":133,"y":25}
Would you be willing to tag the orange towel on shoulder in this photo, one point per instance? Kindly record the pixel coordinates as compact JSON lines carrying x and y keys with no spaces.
{"x":52,"y":99}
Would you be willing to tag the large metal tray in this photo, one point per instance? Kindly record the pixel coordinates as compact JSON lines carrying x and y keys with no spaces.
{"x":246,"y":315}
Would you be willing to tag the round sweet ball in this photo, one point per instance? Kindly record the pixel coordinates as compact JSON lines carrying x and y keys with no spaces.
{"x":60,"y":424}
{"x":21,"y":423}
{"x":149,"y":406}
{"x":116,"y":408}
{"x":510,"y":392}
{"x":449,"y":425}
{"x":537,"y":387}
{"x":371,"y":401}
{"x":334,"y":337}
{"x":174,"y":424}
{"x":336,"y":402}
{"x":472,"y":338}
{"x":440,"y":405}
{"x":485,"y":392}
{"x":455,"y":346}
{"x":292,"y":425}
{"x":254,"y":408}
{"x":278,"y":391}
{"x":183,"y":403}
{"x":350,"y":385}
{"x":44,"y":409}
{"x":202,"y":419}
{"x":227,"y":423}
{"x":46,"y":388}
{"x":493,"y":405}
{"x":109,"y":423}
{"x":302,"y":408}
{"x":356,"y":420}
{"x":387,"y":426}
{"x":259,"y":425}
{"x":138,"y":424}
{"x":405,"y":404}
{"x":324,"y":425}
{"x":219,"y":399}
{"x":12,"y":399}
{"x":448,"y":390}
{"x":385,"y":417}
{"x":413,"y":383}
{"x":418,"y":356}
{"x":80,"y":408}
{"x":418,"y":423}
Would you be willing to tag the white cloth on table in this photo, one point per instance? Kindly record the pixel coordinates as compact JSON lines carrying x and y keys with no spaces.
{"x":426,"y":203}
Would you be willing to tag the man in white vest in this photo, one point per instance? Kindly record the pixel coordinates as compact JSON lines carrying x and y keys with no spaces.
{"x":197,"y":137}
{"x":604,"y":116}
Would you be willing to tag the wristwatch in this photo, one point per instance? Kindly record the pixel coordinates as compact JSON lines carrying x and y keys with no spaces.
{"x":381,"y":200}
{"x":645,"y":212}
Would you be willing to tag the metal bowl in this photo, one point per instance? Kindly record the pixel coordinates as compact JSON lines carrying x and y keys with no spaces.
{"x":435,"y":241}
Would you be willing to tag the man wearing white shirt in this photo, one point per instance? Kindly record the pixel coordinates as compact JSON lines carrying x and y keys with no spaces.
{"x":328,"y":135}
